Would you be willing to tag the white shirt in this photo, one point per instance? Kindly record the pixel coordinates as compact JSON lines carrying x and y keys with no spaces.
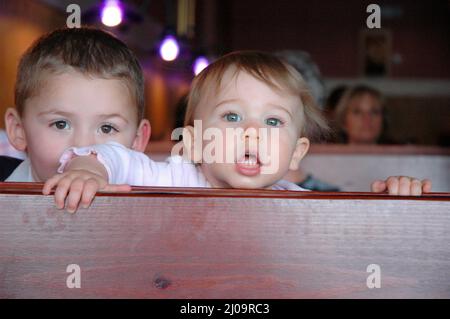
{"x":125,"y":166}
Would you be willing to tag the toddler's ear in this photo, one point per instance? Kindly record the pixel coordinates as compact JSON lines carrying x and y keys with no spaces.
{"x":142,"y":136}
{"x":15,"y":130}
{"x":192,"y":151}
{"x":300,"y":151}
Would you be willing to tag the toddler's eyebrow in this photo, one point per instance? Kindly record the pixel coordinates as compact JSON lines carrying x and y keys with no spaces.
{"x":286,"y":109}
{"x":225,"y":102}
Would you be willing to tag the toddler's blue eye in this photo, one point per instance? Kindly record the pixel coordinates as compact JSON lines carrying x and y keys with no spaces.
{"x":232,"y":117}
{"x":273,"y":122}
{"x":61,"y":125}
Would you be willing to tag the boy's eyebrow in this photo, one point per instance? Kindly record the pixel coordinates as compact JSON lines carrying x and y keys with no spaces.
{"x":107,"y":116}
{"x":69,"y":114}
{"x":57,"y":112}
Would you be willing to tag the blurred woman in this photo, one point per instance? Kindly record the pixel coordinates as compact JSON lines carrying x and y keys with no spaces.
{"x":360,"y":116}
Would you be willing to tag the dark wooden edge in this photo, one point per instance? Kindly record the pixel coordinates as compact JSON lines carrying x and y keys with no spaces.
{"x":139,"y":191}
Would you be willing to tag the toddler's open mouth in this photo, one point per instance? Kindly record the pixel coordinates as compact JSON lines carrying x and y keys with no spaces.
{"x":249,"y":165}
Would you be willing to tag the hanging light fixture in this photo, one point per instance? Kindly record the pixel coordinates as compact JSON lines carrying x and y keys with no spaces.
{"x":169,"y":48}
{"x":200,"y":63}
{"x":111,"y":13}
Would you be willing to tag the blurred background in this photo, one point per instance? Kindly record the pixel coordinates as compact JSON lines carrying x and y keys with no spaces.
{"x":402,"y":69}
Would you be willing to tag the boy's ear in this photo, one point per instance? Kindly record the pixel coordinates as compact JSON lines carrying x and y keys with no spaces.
{"x":15,"y":130}
{"x":142,"y":136}
{"x":300,"y":151}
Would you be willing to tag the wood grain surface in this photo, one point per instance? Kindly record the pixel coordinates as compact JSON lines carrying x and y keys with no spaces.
{"x":206,"y":243}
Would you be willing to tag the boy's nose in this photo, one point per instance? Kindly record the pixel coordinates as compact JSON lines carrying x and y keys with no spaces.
{"x":81,"y":140}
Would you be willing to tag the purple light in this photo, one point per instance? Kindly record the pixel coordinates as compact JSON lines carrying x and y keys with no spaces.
{"x":169,"y":48}
{"x":111,"y":13}
{"x":199,"y":64}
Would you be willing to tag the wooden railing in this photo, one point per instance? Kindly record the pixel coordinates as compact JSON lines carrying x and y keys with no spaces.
{"x":210,"y":243}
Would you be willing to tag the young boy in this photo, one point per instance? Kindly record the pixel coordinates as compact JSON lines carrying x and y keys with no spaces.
{"x":262,"y":100}
{"x":75,"y":87}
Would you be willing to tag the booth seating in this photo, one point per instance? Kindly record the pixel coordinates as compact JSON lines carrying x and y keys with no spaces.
{"x":353,"y":168}
{"x":221,"y":243}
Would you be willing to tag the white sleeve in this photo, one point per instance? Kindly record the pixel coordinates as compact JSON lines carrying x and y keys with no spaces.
{"x":124,"y":166}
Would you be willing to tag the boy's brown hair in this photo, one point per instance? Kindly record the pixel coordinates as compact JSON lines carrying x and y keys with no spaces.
{"x":268,"y":68}
{"x":89,"y":51}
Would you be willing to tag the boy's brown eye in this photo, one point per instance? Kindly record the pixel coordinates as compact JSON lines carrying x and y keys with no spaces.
{"x":61,"y":125}
{"x":107,"y":129}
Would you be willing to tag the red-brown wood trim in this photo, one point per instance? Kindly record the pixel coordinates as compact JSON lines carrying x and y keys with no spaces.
{"x":140,"y":191}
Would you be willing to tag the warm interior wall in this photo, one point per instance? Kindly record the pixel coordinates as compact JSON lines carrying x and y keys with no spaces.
{"x":21,"y":22}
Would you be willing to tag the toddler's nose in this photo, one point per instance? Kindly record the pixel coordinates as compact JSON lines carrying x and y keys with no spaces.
{"x":251,"y":138}
{"x":252,"y":131}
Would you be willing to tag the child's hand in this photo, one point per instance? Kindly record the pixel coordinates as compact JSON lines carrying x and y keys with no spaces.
{"x":402,"y":185}
{"x":83,"y":178}
{"x":79,"y":187}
